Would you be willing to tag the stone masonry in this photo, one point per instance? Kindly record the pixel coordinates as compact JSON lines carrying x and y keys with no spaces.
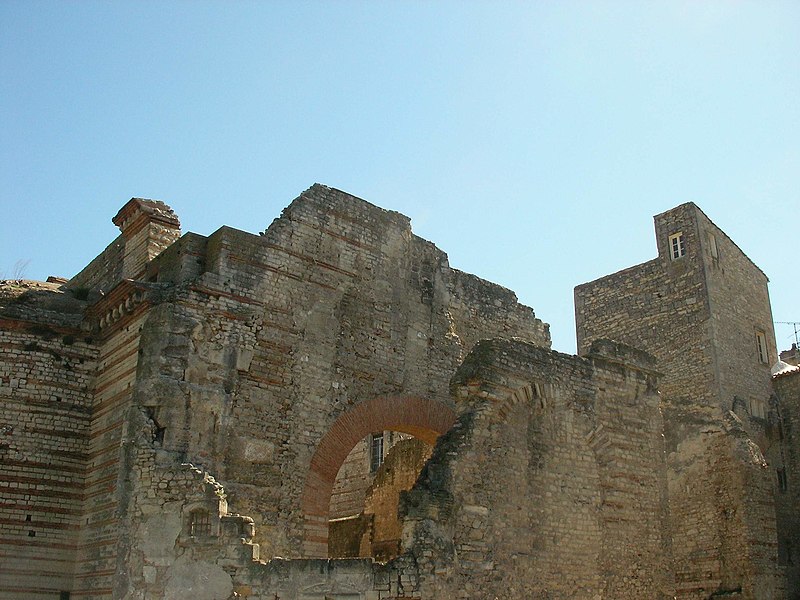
{"x":701,"y":308}
{"x":178,"y":419}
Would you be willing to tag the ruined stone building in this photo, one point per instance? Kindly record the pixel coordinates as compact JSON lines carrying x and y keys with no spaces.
{"x":328,"y":410}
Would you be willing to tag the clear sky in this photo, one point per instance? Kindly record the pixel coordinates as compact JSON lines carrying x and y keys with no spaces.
{"x":531,"y":141}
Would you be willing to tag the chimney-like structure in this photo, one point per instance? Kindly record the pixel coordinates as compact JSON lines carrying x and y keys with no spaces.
{"x":148,"y":227}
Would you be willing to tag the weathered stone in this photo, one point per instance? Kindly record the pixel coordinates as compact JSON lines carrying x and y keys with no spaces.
{"x":175,"y":385}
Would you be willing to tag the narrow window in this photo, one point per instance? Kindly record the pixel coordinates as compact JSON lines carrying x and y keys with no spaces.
{"x":199,"y":523}
{"x":676,"y":245}
{"x":712,"y":246}
{"x":783,"y":484}
{"x":376,"y":452}
{"x":761,"y":342}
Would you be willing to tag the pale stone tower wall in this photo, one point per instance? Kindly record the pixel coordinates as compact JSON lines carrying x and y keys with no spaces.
{"x":699,"y":314}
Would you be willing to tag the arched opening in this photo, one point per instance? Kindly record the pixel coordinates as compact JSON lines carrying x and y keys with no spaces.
{"x":424,"y":419}
{"x":363,"y":516}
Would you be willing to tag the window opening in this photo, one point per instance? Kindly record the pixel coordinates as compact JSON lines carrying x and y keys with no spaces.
{"x":758,"y":409}
{"x":783,"y":483}
{"x":199,"y":523}
{"x":376,"y":452}
{"x":712,"y":244}
{"x":761,"y":342}
{"x":677,"y":248}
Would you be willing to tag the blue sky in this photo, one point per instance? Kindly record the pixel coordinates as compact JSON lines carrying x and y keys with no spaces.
{"x":531,"y":141}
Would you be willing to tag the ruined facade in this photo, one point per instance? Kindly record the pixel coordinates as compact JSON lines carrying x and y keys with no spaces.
{"x":177,"y":417}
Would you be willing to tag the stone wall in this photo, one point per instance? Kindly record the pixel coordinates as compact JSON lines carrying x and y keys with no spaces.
{"x":739,"y":308}
{"x":356,"y":475}
{"x":253,"y":362}
{"x":104,"y":271}
{"x":662,"y":307}
{"x":46,"y":366}
{"x":261,"y":361}
{"x":786,"y":472}
{"x":542,"y":488}
{"x":396,"y":475}
{"x":699,"y":315}
{"x":483,"y":310}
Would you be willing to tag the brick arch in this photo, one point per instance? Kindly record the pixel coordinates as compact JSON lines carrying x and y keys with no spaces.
{"x":424,"y":419}
{"x":538,"y":393}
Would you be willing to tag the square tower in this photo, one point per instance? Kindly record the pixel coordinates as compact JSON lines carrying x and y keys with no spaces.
{"x":701,"y":308}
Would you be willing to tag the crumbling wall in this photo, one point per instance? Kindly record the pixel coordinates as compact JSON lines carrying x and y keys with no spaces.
{"x":335,"y":304}
{"x":104,"y":271}
{"x":262,"y":360}
{"x":356,"y":475}
{"x":543,"y":489}
{"x":722,"y":515}
{"x":484,"y":310}
{"x":397,"y":474}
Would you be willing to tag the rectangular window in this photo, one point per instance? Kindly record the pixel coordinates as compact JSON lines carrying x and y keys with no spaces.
{"x":376,"y":452}
{"x":676,"y":245}
{"x":761,"y":343}
{"x":758,"y":409}
{"x":199,"y":523}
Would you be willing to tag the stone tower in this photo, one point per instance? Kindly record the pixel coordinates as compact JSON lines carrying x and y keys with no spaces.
{"x":702,"y":309}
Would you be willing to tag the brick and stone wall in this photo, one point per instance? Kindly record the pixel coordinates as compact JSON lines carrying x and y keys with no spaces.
{"x":105,"y":497}
{"x":200,"y":379}
{"x":250,"y":364}
{"x":46,"y":367}
{"x":551,"y":482}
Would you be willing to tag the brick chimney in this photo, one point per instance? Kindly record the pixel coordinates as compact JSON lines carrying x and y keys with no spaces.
{"x":148,"y":227}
